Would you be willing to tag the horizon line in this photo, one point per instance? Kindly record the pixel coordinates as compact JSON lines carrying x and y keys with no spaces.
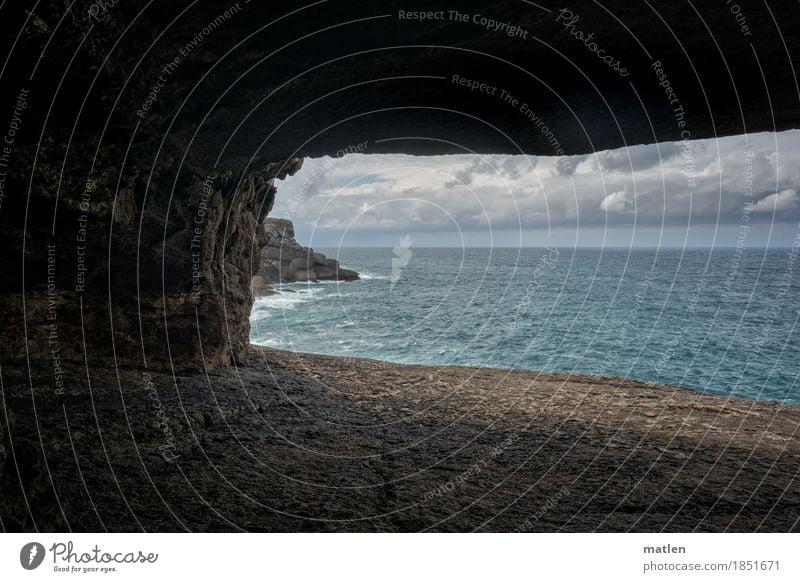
{"x":590,"y":247}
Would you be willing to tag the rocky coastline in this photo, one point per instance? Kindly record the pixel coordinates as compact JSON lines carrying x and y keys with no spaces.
{"x":284,"y":260}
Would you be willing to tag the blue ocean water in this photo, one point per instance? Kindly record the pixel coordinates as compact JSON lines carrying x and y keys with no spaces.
{"x":723,"y":320}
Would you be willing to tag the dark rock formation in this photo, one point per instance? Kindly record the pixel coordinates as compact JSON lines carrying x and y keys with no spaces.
{"x":284,"y":260}
{"x":130,"y":121}
{"x":170,"y":286}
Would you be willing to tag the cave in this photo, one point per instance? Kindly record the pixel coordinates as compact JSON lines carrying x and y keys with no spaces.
{"x":131,"y":152}
{"x":143,"y":148}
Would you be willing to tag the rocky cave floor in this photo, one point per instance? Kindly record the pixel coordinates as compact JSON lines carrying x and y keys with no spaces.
{"x":298,"y":442}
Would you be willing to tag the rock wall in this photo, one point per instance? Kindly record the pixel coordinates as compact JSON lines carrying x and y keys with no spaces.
{"x":284,"y":260}
{"x":169,"y":285}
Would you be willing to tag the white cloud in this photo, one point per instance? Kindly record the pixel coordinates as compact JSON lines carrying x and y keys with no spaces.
{"x":616,"y":202}
{"x":784,"y":200}
{"x":639,"y":185}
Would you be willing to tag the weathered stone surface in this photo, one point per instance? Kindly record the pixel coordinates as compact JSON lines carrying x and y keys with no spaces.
{"x":346,"y":275}
{"x":6,"y":426}
{"x":325,"y":272}
{"x":295,"y":266}
{"x":174,"y":289}
{"x":371,"y":446}
{"x":274,"y":253}
{"x":279,"y":228}
{"x":305,"y":275}
{"x":284,"y":260}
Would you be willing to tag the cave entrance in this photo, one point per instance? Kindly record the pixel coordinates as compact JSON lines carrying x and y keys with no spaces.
{"x":494,"y":260}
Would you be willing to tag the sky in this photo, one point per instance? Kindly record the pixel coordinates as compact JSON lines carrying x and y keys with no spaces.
{"x":703,"y":193}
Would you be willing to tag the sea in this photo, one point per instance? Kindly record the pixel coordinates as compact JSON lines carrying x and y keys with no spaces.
{"x":722,"y":321}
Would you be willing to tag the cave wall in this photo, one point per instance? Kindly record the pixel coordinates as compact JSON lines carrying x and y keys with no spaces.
{"x":145,"y":138}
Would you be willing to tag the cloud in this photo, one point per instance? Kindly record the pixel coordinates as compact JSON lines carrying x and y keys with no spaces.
{"x":785,"y":200}
{"x":616,"y":202}
{"x":670,"y":184}
{"x":637,"y":158}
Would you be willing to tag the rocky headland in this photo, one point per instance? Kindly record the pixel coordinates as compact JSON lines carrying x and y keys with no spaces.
{"x":284,"y":260}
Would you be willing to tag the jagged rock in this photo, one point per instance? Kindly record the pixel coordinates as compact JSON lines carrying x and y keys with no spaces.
{"x":174,"y":280}
{"x":296,"y":265}
{"x":325,"y":272}
{"x":274,"y":253}
{"x":284,"y":260}
{"x":260,"y":287}
{"x":346,"y":275}
{"x":304,"y":275}
{"x":279,"y":227}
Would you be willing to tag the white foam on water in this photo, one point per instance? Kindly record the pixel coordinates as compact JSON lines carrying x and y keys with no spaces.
{"x":369,"y":276}
{"x":270,"y":305}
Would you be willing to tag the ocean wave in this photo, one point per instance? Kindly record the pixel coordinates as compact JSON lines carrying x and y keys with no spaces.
{"x":549,"y":325}
{"x":265,"y":306}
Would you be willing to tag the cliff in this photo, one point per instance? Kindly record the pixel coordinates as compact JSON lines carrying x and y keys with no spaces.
{"x":284,"y":260}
